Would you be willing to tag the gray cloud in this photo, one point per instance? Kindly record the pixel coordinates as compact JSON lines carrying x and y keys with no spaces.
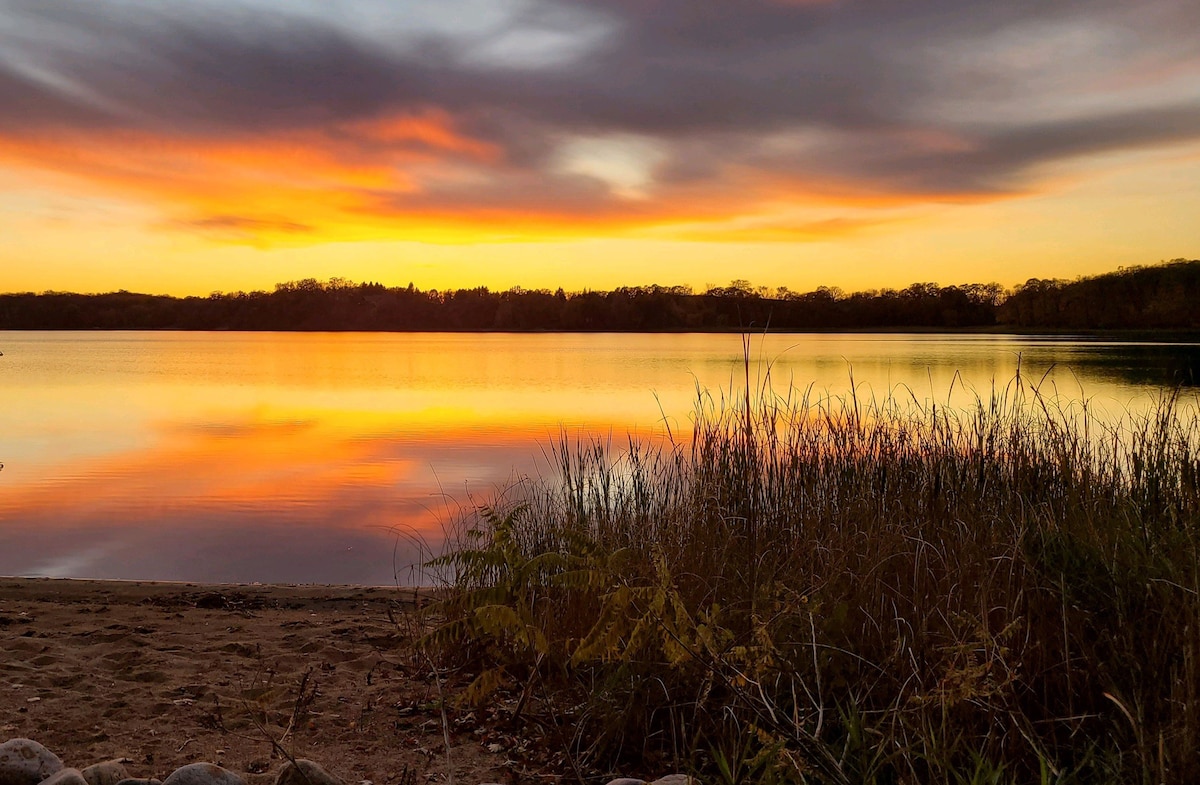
{"x":936,"y":96}
{"x":177,"y":71}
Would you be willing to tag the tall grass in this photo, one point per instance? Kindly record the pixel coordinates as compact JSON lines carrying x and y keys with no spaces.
{"x":816,"y":588}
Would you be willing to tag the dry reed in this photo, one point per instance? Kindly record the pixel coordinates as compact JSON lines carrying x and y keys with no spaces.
{"x":816,"y":588}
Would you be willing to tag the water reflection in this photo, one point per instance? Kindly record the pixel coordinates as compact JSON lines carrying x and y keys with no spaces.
{"x":1147,"y":364}
{"x":300,"y":500}
{"x":320,"y":457}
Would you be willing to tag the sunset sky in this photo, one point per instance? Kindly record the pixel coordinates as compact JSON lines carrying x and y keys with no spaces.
{"x":231,"y":144}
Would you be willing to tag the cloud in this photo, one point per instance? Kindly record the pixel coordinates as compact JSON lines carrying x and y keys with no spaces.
{"x":620,"y":115}
{"x":241,"y":226}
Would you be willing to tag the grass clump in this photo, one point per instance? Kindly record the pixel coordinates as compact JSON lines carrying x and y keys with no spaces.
{"x":828,"y":589}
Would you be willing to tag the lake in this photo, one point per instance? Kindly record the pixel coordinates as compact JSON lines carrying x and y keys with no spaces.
{"x":326,"y":457}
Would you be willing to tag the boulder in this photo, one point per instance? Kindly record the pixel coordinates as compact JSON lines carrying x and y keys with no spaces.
{"x":109,"y":772}
{"x":65,"y":777}
{"x":305,"y":772}
{"x":203,"y":774}
{"x":675,"y":779}
{"x":140,"y":781}
{"x":25,"y":762}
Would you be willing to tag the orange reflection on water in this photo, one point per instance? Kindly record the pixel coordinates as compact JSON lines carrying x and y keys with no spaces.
{"x":327,"y":457}
{"x":301,"y":468}
{"x":313,"y":488}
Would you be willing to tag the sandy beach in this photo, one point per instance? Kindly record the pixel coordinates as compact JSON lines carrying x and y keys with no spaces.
{"x":169,"y":674}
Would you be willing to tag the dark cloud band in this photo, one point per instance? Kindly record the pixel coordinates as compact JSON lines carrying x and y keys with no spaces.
{"x":936,"y":97}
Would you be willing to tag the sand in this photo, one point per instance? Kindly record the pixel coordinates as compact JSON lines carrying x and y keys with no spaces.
{"x":169,"y":674}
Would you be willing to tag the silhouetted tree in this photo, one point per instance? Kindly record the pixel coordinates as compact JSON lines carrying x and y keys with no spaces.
{"x":1163,"y":296}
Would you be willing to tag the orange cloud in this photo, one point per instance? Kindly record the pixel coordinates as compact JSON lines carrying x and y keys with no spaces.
{"x":773,"y":120}
{"x":432,"y":127}
{"x":416,"y":176}
{"x":315,"y":183}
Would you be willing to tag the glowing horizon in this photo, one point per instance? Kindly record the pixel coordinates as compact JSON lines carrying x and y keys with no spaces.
{"x":235,"y":144}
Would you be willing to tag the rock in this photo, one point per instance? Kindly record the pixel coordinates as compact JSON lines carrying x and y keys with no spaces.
{"x":25,"y":762}
{"x":110,"y":772}
{"x":212,"y":601}
{"x":65,"y":777}
{"x":626,"y":781}
{"x":305,"y":772}
{"x":139,"y":781}
{"x":675,"y":779}
{"x":203,"y":774}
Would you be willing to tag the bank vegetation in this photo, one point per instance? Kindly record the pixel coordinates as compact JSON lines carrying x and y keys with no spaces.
{"x":814,"y":588}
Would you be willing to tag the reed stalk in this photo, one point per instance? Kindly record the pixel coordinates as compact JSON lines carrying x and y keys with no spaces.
{"x":822,"y":588}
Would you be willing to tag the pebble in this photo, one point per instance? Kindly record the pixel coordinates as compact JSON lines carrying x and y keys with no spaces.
{"x":203,"y":774}
{"x":65,"y":777}
{"x":305,"y":772}
{"x":25,"y":762}
{"x":109,"y":772}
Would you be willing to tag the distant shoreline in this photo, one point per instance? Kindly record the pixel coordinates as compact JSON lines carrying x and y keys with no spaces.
{"x":1154,"y":298}
{"x":1165,"y":335}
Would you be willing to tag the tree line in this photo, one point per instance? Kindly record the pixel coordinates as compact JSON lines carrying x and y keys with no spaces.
{"x":1154,"y":297}
{"x":1165,"y":296}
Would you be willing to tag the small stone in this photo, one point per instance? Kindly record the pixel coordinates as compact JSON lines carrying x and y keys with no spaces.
{"x":203,"y":774}
{"x":109,"y":772}
{"x":65,"y":777}
{"x":305,"y":772}
{"x":25,"y":762}
{"x":674,"y":779}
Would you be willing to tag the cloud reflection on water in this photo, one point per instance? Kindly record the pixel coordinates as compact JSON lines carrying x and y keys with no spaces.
{"x":290,"y":501}
{"x":325,"y":457}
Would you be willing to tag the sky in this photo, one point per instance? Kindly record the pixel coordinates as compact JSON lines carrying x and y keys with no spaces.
{"x":224,"y":145}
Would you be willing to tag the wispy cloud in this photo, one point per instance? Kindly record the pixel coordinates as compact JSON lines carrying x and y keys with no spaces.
{"x":461,"y":119}
{"x":240,"y":226}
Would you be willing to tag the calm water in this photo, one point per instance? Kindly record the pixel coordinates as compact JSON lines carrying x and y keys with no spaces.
{"x":318,"y":458}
